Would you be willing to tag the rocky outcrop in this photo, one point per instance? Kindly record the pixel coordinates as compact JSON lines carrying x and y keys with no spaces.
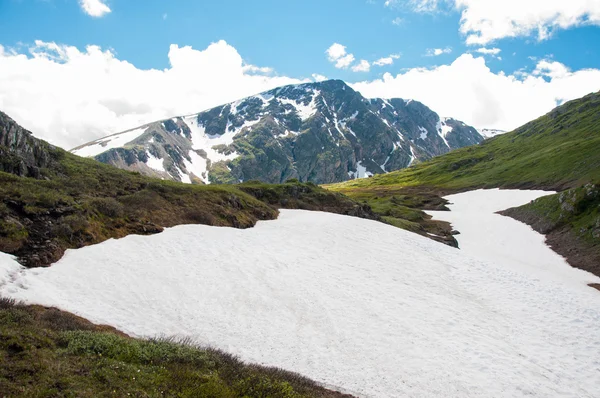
{"x":20,"y":152}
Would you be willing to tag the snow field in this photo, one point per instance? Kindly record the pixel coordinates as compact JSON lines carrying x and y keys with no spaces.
{"x":357,"y":304}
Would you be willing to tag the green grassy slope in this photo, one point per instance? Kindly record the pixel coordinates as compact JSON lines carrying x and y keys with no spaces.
{"x":48,"y":353}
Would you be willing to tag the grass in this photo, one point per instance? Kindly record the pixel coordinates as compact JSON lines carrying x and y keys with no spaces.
{"x":48,"y":353}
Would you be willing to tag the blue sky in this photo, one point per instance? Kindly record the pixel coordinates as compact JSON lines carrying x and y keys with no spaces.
{"x":289,"y":36}
{"x":547,"y":40}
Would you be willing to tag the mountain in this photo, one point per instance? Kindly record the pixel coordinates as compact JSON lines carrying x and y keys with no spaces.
{"x":558,"y":151}
{"x":320,"y":132}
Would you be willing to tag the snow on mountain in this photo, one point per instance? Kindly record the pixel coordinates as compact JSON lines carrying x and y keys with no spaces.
{"x":489,"y":133}
{"x":113,"y":141}
{"x":390,"y":313}
{"x":317,"y":132}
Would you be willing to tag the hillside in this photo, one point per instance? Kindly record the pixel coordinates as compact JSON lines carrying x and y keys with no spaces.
{"x":557,"y":151}
{"x":75,"y":202}
{"x":47,"y":352}
{"x":319,"y":132}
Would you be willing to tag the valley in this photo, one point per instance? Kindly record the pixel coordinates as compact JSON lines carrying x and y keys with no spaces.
{"x":407,"y":270}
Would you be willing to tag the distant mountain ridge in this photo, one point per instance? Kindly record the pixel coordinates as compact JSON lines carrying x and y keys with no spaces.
{"x":321,"y":132}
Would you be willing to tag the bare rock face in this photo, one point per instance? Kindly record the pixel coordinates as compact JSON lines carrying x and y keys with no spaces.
{"x":20,"y":152}
{"x":319,"y":132}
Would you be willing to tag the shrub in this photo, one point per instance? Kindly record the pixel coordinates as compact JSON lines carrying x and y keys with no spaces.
{"x":6,"y":302}
{"x":109,"y":207}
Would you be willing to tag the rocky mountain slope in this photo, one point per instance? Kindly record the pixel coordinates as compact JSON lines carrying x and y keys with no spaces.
{"x":320,"y":132}
{"x":20,"y":152}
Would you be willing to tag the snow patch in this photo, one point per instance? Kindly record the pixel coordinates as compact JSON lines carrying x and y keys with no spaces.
{"x":443,"y":130}
{"x":424,"y":132}
{"x":304,"y":112}
{"x":154,"y":162}
{"x":206,"y":142}
{"x":198,"y":166}
{"x":112,"y":141}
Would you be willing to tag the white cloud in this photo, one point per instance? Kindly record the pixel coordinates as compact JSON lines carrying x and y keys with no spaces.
{"x":362,"y":66}
{"x":397,"y":21}
{"x":434,"y":52}
{"x":94,"y":8}
{"x":338,"y":55}
{"x":386,"y":60}
{"x":484,"y":21}
{"x":488,"y":51}
{"x":318,"y":78}
{"x":70,"y":97}
{"x":468,"y":90}
{"x":415,"y":5}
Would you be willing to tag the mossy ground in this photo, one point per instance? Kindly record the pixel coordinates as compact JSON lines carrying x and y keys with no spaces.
{"x":48,"y":353}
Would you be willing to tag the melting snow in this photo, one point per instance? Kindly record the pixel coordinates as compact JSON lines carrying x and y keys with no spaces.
{"x":113,"y":141}
{"x":206,"y":142}
{"x":412,"y":156}
{"x":154,"y":162}
{"x":361,"y":171}
{"x":197,"y":166}
{"x":304,"y":111}
{"x":391,"y":314}
{"x":443,"y":129}
{"x":423,"y":131}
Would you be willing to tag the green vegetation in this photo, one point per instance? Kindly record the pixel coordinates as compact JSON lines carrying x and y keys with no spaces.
{"x":403,"y":208}
{"x":48,"y":353}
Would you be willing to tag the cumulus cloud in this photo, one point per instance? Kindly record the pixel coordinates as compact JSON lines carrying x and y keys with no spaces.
{"x":483,"y":22}
{"x":70,"y":97}
{"x":434,"y":52}
{"x":488,"y":51}
{"x":338,"y":55}
{"x":94,"y":8}
{"x":486,"y":21}
{"x":468,"y":90}
{"x":362,"y":66}
{"x":318,"y":78}
{"x":386,"y":60}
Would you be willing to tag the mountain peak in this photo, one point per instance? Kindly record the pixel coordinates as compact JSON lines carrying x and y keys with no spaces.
{"x":321,"y":132}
